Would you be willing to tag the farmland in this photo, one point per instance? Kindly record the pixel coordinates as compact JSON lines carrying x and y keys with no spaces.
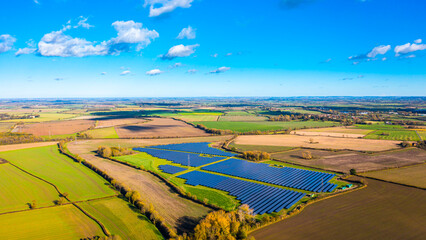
{"x":343,"y":161}
{"x":44,"y":117}
{"x":380,"y":211}
{"x":64,"y":222}
{"x":319,"y":142}
{"x":263,"y":126}
{"x":159,"y":127}
{"x":5,"y":127}
{"x":334,"y":132}
{"x":46,"y":162}
{"x":402,"y":135}
{"x":411,"y":175}
{"x":107,"y":132}
{"x":56,"y":127}
{"x":264,"y":148}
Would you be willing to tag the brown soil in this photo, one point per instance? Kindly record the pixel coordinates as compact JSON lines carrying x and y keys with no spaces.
{"x":3,"y":161}
{"x":343,"y":161}
{"x":380,"y":211}
{"x":118,"y":122}
{"x":57,"y":127}
{"x":321,"y":142}
{"x":159,"y":127}
{"x":11,"y":147}
{"x":180,"y":213}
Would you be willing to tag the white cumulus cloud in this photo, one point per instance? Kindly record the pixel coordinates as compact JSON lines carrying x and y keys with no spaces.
{"x":154,"y":72}
{"x":180,"y":51}
{"x":220,"y":70}
{"x":158,"y":7}
{"x":418,"y":41}
{"x":188,"y":33}
{"x":130,"y":32}
{"x":409,"y":48}
{"x":6,"y":42}
{"x":383,"y":49}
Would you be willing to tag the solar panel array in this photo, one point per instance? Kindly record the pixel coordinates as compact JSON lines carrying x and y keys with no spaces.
{"x":200,"y":147}
{"x":288,"y":177}
{"x":171,"y":169}
{"x":187,"y":159}
{"x":261,"y":198}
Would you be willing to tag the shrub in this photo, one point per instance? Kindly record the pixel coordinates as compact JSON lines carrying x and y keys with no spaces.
{"x":352,"y":171}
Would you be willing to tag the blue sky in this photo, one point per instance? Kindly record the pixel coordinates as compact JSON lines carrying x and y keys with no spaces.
{"x":172,"y":48}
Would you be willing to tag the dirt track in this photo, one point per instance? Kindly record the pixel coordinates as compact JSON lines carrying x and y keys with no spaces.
{"x":180,"y":213}
{"x":380,"y":211}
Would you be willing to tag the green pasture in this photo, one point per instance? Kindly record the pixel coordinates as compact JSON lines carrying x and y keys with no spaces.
{"x":108,"y":132}
{"x":62,"y":222}
{"x":44,"y":117}
{"x":46,"y":162}
{"x":121,"y":219}
{"x":399,"y":135}
{"x":265,"y":126}
{"x":242,"y":118}
{"x":18,"y":189}
{"x":197,"y":118}
{"x":379,"y":126}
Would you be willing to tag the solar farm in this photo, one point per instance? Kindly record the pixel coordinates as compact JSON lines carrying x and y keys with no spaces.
{"x":266,"y":189}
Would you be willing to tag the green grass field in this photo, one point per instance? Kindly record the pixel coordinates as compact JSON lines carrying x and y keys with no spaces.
{"x":120,"y":219}
{"x":148,"y":162}
{"x":71,"y":177}
{"x":380,"y":126}
{"x":64,"y":222}
{"x":44,"y":117}
{"x":108,"y":132}
{"x":422,"y":134}
{"x":18,"y":189}
{"x":264,"y":126}
{"x":197,"y":118}
{"x":244,"y":118}
{"x":402,"y":135}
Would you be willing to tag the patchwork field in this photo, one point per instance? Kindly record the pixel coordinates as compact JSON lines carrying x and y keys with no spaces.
{"x":343,"y":161}
{"x":5,"y":127}
{"x":56,"y":127}
{"x":107,"y":132}
{"x":321,"y":142}
{"x":264,"y":126}
{"x":185,"y":213}
{"x":121,"y":219}
{"x":102,"y":123}
{"x":380,"y":211}
{"x":411,"y":175}
{"x":402,"y":135}
{"x":244,"y":118}
{"x":44,"y":117}
{"x":18,"y":189}
{"x":64,"y":222}
{"x":159,"y":127}
{"x":334,"y":132}
{"x":75,"y":179}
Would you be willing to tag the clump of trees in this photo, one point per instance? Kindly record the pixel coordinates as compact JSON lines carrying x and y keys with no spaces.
{"x":15,"y":138}
{"x":307,"y":155}
{"x":256,"y":155}
{"x":223,"y":225}
{"x":107,"y":152}
{"x":352,"y":171}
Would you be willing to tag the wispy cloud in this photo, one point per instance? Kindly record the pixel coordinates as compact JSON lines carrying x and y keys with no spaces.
{"x":179,"y":51}
{"x":36,"y":2}
{"x":103,"y":73}
{"x":158,"y":7}
{"x":154,"y":72}
{"x":6,"y":42}
{"x":59,"y":79}
{"x":124,"y":73}
{"x":176,"y":65}
{"x":192,"y":71}
{"x":188,"y":33}
{"x":220,"y":70}
{"x":371,"y":55}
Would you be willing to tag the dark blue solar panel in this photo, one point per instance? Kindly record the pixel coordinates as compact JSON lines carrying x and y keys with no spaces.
{"x":187,"y":159}
{"x":200,"y":147}
{"x":261,"y":198}
{"x":171,"y":169}
{"x":288,"y":177}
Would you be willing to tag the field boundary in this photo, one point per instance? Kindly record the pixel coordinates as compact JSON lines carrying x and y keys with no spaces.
{"x":299,"y":208}
{"x":397,"y":183}
{"x":103,"y":228}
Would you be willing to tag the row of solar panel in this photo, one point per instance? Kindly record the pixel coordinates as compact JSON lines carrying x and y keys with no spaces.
{"x":200,"y":147}
{"x":288,"y":177}
{"x":261,"y":198}
{"x":171,"y":169}
{"x":187,"y":159}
